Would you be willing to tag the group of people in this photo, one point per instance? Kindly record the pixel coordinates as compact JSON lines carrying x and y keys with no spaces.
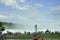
{"x":37,"y":38}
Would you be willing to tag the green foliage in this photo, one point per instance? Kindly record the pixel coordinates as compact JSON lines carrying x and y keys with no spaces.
{"x":1,"y":28}
{"x":0,"y":32}
{"x":47,"y":30}
{"x":0,"y":24}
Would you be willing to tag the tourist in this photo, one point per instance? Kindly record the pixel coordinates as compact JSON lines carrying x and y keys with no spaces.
{"x":35,"y":37}
{"x":40,"y":38}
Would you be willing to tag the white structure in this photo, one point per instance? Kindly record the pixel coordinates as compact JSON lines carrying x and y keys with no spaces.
{"x":36,"y":28}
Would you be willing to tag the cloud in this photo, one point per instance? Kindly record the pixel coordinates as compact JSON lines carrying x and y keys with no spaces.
{"x":20,"y":6}
{"x":56,"y":8}
{"x":20,"y":17}
{"x":9,"y":2}
{"x":39,"y":5}
{"x":23,"y":1}
{"x":55,"y":11}
{"x":13,"y":4}
{"x":3,"y":16}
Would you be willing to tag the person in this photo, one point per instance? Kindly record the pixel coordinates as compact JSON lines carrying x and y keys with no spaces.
{"x":40,"y":38}
{"x":35,"y":37}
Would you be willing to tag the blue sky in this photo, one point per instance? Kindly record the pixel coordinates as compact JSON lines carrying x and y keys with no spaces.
{"x":44,"y":13}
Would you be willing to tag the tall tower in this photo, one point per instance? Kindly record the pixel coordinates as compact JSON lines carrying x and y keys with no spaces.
{"x":36,"y":28}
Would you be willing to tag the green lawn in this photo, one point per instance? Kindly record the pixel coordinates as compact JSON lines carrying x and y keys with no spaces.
{"x":50,"y":35}
{"x":31,"y":36}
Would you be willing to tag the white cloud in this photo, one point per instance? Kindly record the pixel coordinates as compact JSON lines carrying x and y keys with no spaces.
{"x":39,"y":5}
{"x":55,"y":8}
{"x":23,"y":1}
{"x":3,"y":16}
{"x":21,"y":17}
{"x":54,"y":11}
{"x":9,"y":2}
{"x":13,"y":4}
{"x":24,"y":8}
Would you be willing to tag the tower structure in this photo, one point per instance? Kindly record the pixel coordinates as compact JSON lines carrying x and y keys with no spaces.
{"x":36,"y":28}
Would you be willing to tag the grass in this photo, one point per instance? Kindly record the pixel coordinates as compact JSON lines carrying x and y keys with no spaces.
{"x":20,"y":37}
{"x":50,"y":35}
{"x":31,"y":36}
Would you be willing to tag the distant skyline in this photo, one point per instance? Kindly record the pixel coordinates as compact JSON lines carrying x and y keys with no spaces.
{"x":44,"y":13}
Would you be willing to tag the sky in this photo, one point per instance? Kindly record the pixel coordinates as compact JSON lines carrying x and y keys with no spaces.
{"x":44,"y":13}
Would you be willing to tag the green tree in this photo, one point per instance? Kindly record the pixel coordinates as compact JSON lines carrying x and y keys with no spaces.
{"x":0,"y":24}
{"x":1,"y":28}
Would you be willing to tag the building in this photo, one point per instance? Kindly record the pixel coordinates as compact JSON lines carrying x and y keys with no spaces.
{"x":35,"y":28}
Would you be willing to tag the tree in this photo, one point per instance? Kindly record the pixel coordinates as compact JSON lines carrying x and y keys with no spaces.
{"x":28,"y":33}
{"x":0,"y":24}
{"x":47,"y":32}
{"x":1,"y":28}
